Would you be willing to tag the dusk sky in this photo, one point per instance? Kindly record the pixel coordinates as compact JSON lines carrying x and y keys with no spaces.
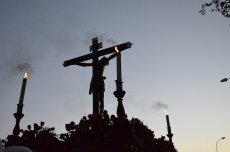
{"x":178,"y":58}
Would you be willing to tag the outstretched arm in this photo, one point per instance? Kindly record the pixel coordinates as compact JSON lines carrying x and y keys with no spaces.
{"x":84,"y":64}
{"x":112,"y":56}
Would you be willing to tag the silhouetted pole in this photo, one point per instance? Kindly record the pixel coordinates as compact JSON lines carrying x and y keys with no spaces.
{"x":18,"y":115}
{"x":94,"y":55}
{"x":217,"y":143}
{"x":169,"y":129}
{"x":119,"y":93}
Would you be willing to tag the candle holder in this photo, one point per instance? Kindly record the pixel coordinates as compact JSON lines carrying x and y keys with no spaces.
{"x":18,"y":117}
{"x":119,"y":94}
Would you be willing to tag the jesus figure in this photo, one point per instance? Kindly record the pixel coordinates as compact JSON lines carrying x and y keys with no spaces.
{"x":100,"y":81}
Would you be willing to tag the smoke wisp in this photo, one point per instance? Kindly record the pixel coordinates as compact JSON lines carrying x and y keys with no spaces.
{"x":160,"y":106}
{"x":24,"y":67}
{"x":102,"y":37}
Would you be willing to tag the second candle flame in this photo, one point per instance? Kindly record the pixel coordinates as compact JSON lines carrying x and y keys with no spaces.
{"x":26,"y":75}
{"x":116,"y":49}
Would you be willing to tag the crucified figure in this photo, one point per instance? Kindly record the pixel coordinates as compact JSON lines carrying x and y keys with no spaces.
{"x":104,"y":61}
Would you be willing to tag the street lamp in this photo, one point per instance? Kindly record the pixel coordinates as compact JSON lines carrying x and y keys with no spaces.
{"x":218,"y":141}
{"x":224,"y":79}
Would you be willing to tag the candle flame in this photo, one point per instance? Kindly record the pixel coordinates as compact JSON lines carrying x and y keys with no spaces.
{"x":116,"y":49}
{"x":26,"y":75}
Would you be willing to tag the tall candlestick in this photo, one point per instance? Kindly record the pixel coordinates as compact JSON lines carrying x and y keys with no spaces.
{"x":169,"y":129}
{"x":20,"y":104}
{"x":18,"y":115}
{"x":119,"y":93}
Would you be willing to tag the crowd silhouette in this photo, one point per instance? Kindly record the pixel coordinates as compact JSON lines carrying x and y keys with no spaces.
{"x":93,"y":133}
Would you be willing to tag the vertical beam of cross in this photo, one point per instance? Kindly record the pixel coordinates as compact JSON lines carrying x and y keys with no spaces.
{"x":95,"y":46}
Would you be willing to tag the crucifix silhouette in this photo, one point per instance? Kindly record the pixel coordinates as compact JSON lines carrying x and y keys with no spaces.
{"x":97,"y":82}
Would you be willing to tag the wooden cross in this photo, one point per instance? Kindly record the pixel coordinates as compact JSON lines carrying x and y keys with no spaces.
{"x":94,"y":56}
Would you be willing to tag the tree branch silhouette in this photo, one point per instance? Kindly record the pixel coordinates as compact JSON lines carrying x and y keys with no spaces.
{"x":220,"y":6}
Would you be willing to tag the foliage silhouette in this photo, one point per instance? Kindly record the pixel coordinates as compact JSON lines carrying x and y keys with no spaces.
{"x":94,"y":133}
{"x":221,"y":6}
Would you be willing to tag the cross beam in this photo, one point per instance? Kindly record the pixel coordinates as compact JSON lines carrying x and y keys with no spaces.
{"x":121,"y":47}
{"x":94,"y":56}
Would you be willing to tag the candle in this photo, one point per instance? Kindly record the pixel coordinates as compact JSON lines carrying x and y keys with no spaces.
{"x":118,"y":64}
{"x":19,"y":110}
{"x":119,"y":67}
{"x":119,"y":77}
{"x":167,"y":121}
